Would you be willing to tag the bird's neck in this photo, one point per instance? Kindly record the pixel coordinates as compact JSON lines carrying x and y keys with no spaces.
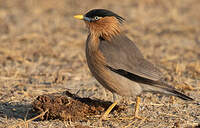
{"x":106,"y":34}
{"x":106,"y":28}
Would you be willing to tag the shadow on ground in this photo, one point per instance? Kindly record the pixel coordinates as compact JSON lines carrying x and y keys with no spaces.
{"x":16,"y":110}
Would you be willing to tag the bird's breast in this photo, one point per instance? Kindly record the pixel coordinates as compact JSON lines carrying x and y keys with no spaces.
{"x":94,"y":57}
{"x":96,"y":63}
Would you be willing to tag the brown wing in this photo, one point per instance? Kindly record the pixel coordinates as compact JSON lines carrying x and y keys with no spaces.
{"x":122,"y":53}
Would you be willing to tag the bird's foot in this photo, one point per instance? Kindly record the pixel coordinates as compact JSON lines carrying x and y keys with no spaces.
{"x":132,"y":117}
{"x":135,"y":113}
{"x":137,"y":117}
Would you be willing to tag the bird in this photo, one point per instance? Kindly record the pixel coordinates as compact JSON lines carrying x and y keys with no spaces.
{"x":117,"y":63}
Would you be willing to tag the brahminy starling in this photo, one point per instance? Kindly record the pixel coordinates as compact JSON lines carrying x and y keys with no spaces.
{"x":116,"y":62}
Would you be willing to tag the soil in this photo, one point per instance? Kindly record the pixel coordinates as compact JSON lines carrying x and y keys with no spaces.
{"x":45,"y":81}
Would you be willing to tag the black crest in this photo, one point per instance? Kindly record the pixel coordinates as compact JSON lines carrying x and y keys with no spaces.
{"x":103,"y":13}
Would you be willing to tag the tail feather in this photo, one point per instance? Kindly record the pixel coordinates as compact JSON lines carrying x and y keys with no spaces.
{"x":164,"y":88}
{"x":181,"y":95}
{"x":175,"y":92}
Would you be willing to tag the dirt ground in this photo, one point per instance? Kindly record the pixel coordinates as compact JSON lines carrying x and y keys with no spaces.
{"x":42,"y":52}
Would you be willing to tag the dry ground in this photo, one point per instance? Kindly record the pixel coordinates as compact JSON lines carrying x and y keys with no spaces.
{"x":42,"y":52}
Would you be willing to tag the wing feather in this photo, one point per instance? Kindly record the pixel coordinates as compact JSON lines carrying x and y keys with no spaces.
{"x":122,"y":53}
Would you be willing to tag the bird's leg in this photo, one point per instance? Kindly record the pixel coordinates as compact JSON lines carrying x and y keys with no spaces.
{"x":108,"y":110}
{"x":136,"y":111}
{"x":137,"y":106}
{"x":104,"y":116}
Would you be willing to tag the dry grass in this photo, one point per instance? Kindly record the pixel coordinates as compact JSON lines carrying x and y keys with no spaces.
{"x":42,"y":52}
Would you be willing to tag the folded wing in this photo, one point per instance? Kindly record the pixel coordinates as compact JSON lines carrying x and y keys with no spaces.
{"x":122,"y":53}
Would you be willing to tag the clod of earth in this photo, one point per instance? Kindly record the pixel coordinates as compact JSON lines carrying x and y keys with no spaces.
{"x":67,"y":106}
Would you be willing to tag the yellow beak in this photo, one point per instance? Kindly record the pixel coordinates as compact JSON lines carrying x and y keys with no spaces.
{"x":80,"y":17}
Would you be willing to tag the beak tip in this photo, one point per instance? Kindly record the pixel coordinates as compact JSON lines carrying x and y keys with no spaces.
{"x":80,"y":17}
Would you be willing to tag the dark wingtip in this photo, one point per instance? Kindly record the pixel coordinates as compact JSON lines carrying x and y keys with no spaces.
{"x":182,"y":96}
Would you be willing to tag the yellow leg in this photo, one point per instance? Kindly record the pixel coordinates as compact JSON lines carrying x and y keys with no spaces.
{"x":104,"y":116}
{"x":137,"y":106}
{"x":172,"y":99}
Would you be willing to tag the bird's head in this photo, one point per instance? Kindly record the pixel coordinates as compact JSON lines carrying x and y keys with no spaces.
{"x":101,"y":22}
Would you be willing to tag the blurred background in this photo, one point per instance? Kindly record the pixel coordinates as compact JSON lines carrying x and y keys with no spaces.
{"x":42,"y":51}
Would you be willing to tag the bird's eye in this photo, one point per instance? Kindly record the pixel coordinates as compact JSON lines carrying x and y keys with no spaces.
{"x":96,"y":18}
